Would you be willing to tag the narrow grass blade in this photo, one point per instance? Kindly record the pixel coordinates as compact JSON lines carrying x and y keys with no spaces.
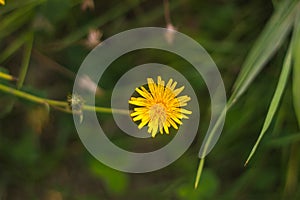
{"x":15,"y":20}
{"x":266,"y":45}
{"x":199,"y":172}
{"x":25,"y":61}
{"x":208,"y":143}
{"x":275,"y":100}
{"x":13,"y":47}
{"x":296,"y":68}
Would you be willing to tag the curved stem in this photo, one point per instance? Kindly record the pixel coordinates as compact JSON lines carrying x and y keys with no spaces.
{"x":60,"y":105}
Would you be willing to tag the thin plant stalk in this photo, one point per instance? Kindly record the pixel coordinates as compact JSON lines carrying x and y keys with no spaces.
{"x":60,"y":105}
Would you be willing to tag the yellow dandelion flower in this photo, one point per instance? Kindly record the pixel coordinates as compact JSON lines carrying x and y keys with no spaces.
{"x":2,"y":2}
{"x":159,"y":107}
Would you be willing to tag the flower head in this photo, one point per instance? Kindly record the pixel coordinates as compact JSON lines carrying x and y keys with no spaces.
{"x":159,"y":107}
{"x":2,"y":2}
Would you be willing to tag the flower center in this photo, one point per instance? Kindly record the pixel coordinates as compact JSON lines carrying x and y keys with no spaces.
{"x":158,"y":112}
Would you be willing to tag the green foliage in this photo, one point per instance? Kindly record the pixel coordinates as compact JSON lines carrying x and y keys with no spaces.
{"x":296,"y":69}
{"x":42,"y":43}
{"x":265,"y":46}
{"x":116,"y":182}
{"x":208,"y":187}
{"x":286,"y":68}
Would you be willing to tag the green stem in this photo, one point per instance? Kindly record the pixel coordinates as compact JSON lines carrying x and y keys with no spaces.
{"x":105,"y":110}
{"x":61,"y":105}
{"x":7,"y":77}
{"x":31,"y":97}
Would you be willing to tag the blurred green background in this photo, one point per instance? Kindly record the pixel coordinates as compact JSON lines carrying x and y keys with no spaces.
{"x":45,"y":41}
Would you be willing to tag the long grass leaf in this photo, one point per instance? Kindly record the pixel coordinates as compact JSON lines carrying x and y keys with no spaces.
{"x":199,"y":172}
{"x":209,"y":141}
{"x":25,"y":61}
{"x":15,"y":20}
{"x":266,"y":45}
{"x":296,"y":68}
{"x":275,"y":100}
{"x":13,"y":47}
